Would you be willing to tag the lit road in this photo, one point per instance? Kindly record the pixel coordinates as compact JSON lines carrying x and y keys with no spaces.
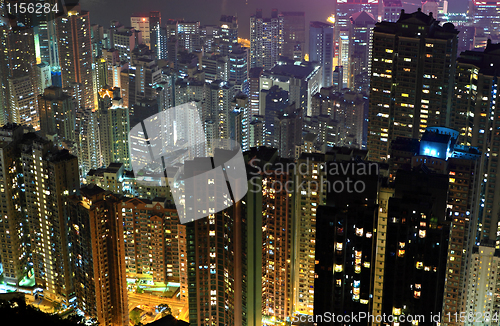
{"x":135,"y":299}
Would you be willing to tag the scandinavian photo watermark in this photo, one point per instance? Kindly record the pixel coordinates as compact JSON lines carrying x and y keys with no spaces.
{"x":313,"y":177}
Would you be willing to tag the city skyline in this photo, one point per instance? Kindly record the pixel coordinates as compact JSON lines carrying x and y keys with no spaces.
{"x":154,"y":168}
{"x":314,"y":10}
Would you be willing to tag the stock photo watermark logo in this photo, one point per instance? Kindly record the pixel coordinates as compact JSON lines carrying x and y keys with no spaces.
{"x":36,"y":13}
{"x":206,"y":175}
{"x":311,"y":177}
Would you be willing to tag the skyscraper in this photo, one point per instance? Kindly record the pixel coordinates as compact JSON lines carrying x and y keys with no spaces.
{"x":439,"y":152}
{"x":228,"y":38}
{"x":254,"y":75}
{"x":142,"y":23}
{"x":98,"y":252}
{"x":114,"y":126}
{"x":50,"y":175}
{"x":188,"y":35}
{"x":18,"y":91}
{"x":57,"y":114}
{"x":304,"y":233}
{"x":266,"y":39}
{"x":412,"y":79}
{"x":238,"y":69}
{"x":216,"y":264}
{"x":344,"y":10}
{"x":486,"y":18}
{"x":416,"y":245}
{"x":239,"y":121}
{"x":345,"y":253}
{"x":392,"y":10}
{"x":321,"y":49}
{"x":475,"y":118}
{"x":15,"y":245}
{"x":75,"y":53}
{"x":269,"y":233}
{"x":294,"y":33}
{"x":362,"y":24}
{"x":154,"y":250}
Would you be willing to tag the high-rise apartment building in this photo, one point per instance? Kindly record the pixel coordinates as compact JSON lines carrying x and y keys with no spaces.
{"x":152,"y":234}
{"x":45,"y":36}
{"x":57,"y":114}
{"x":141,"y":22}
{"x":392,"y":10}
{"x":36,"y":178}
{"x":254,"y":75}
{"x":239,"y":121}
{"x":344,"y":10}
{"x":125,"y":40}
{"x":475,"y":118}
{"x":345,"y":254}
{"x":188,"y":35}
{"x":346,"y":110}
{"x":238,"y":68}
{"x":287,"y":131}
{"x":159,"y":42}
{"x":75,"y":53}
{"x":49,"y":176}
{"x":311,"y":175}
{"x":304,"y":232}
{"x":301,"y":81}
{"x":412,"y":79}
{"x":114,"y":125}
{"x":14,"y":245}
{"x":362,"y":25}
{"x":228,"y":34}
{"x":215,"y":247}
{"x":88,"y":140}
{"x":269,"y":233}
{"x":439,"y":152}
{"x":18,"y":91}
{"x":98,"y":253}
{"x":486,"y":18}
{"x":321,"y":49}
{"x":266,"y":39}
{"x":482,"y":292}
{"x":294,"y":34}
{"x":417,"y":235}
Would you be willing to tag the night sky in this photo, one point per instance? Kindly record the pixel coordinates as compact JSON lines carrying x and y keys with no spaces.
{"x":209,"y":11}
